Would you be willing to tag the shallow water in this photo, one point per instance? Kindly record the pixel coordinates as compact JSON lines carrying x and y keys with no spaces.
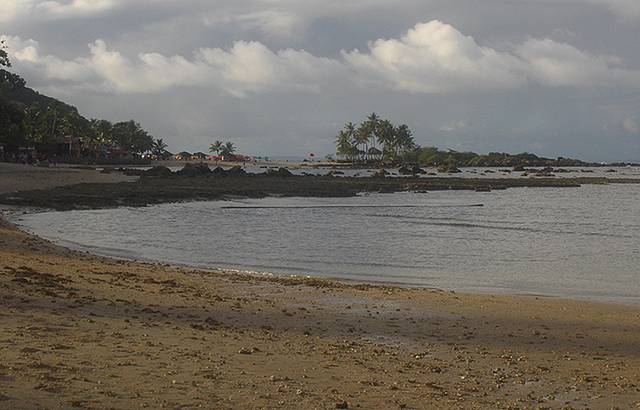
{"x":577,"y":242}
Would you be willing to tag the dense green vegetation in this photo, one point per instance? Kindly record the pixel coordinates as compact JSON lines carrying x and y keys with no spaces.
{"x":29,"y":119}
{"x":379,"y":141}
{"x":374,"y":140}
{"x":224,"y":149}
{"x":431,"y":156}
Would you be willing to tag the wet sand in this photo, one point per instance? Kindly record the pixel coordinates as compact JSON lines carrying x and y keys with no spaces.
{"x":78,"y":330}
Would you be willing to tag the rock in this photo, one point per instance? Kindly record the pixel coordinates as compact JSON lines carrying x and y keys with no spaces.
{"x":414,"y":170}
{"x":244,"y":350}
{"x":449,"y":169}
{"x":380,"y":173}
{"x":131,"y":172}
{"x":280,"y":172}
{"x":218,"y":171}
{"x":519,"y":168}
{"x":236,"y":170}
{"x":342,"y":405}
{"x":158,"y":171}
{"x":194,"y":170}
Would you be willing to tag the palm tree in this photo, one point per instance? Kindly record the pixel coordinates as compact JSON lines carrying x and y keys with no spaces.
{"x":345,"y":145}
{"x":373,"y":122}
{"x":386,"y":137}
{"x":216,"y":147}
{"x":404,"y":139}
{"x":228,"y":149}
{"x":103,"y":130}
{"x":159,"y":149}
{"x":360,"y":142}
{"x":362,"y":137}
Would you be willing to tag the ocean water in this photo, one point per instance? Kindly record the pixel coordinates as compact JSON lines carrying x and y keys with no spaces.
{"x":570,"y":242}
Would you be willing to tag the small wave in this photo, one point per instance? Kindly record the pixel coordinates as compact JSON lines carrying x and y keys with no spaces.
{"x":431,"y":222}
{"x":349,"y":206}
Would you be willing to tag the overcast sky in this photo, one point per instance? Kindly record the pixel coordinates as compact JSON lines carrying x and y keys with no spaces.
{"x":280,"y":77}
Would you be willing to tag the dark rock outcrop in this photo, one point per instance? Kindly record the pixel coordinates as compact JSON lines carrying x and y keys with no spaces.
{"x":448,"y":169}
{"x":411,"y":170}
{"x":158,"y":171}
{"x":194,"y":170}
{"x":235,"y":171}
{"x":280,"y":172}
{"x":380,"y":173}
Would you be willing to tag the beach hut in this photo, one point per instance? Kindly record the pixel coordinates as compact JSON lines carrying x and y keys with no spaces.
{"x":199,"y":156}
{"x":183,"y":156}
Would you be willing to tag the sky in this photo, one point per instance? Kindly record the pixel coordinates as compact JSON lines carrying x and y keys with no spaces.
{"x":281,"y":77}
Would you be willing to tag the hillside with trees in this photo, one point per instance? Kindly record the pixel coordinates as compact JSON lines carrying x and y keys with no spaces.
{"x":35,"y":122}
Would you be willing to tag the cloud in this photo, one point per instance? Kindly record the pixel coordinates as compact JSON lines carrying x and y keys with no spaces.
{"x":560,"y":64}
{"x":431,"y":57}
{"x":273,"y":23}
{"x":245,"y":67}
{"x":626,"y":9}
{"x":11,"y":10}
{"x":454,"y":126}
{"x":434,"y":57}
{"x":631,"y":126}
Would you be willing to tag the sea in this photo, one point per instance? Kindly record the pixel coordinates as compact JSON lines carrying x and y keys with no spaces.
{"x":579,"y":242}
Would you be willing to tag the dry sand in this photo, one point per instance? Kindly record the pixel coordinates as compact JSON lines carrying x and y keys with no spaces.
{"x":78,"y":330}
{"x":18,"y":177}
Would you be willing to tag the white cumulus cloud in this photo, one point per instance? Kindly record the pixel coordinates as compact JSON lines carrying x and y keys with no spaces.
{"x":431,"y":57}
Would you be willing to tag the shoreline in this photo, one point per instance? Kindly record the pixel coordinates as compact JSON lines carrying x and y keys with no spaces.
{"x":82,"y":330}
{"x":630,"y":301}
{"x":187,"y":337}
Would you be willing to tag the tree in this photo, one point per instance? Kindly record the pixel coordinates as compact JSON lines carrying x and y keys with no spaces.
{"x":404,"y":142}
{"x":4,"y":58}
{"x":373,"y":123}
{"x":103,"y":131}
{"x":360,"y":143}
{"x":346,"y":142}
{"x":216,"y":147}
{"x":362,"y":136}
{"x":159,"y":149}
{"x":227,"y":150}
{"x":386,"y":137}
{"x":12,"y":124}
{"x":130,"y":136}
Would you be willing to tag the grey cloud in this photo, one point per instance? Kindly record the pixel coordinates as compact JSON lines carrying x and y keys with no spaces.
{"x":558,"y":78}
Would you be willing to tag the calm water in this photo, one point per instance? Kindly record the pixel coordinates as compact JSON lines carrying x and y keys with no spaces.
{"x":577,"y":242}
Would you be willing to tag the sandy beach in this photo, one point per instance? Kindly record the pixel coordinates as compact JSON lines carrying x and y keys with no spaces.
{"x":78,"y":330}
